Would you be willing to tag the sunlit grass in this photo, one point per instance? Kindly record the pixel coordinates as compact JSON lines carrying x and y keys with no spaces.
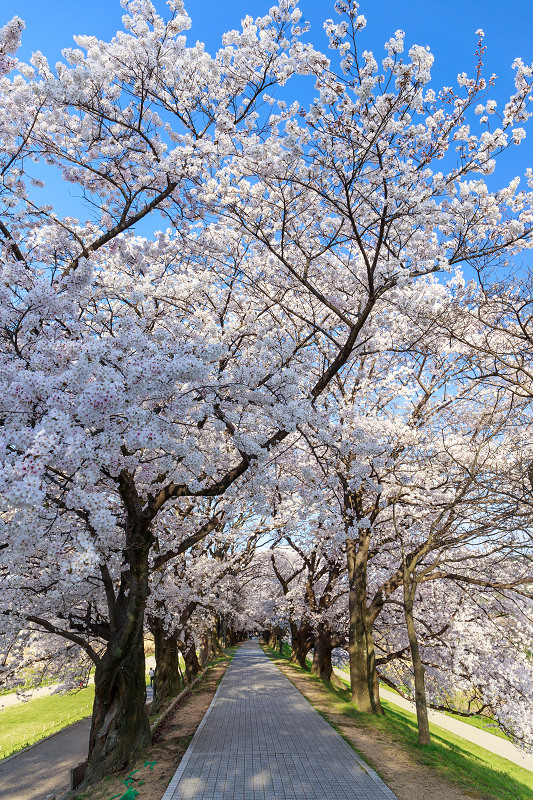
{"x":477,"y":721}
{"x":457,"y":759}
{"x":27,"y":723}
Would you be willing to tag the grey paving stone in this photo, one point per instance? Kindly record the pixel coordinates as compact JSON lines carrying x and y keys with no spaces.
{"x":261,"y":740}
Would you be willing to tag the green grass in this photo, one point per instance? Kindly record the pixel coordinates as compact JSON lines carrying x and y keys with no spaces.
{"x":476,"y":769}
{"x":458,"y":758}
{"x":29,"y":722}
{"x":33,"y":680}
{"x":477,"y":721}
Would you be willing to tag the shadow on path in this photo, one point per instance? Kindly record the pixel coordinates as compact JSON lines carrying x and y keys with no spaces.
{"x":45,"y":768}
{"x":261,"y":740}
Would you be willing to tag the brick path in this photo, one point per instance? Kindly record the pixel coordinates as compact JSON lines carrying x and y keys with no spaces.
{"x":261,"y":740}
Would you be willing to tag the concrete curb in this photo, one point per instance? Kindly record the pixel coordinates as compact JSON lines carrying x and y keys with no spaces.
{"x":184,"y":761}
{"x":155,"y":724}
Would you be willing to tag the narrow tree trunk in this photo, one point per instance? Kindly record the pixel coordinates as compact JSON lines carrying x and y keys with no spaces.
{"x":167,"y":677}
{"x":222,"y":632}
{"x":424,"y":736}
{"x":233,"y":637}
{"x":363,"y":674}
{"x":188,"y":651}
{"x":211,"y":641}
{"x":322,"y":665}
{"x":274,"y":638}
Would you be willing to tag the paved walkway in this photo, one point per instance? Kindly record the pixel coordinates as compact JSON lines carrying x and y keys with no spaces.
{"x":45,"y":768}
{"x":14,"y":699}
{"x":261,"y":740}
{"x":494,"y":744}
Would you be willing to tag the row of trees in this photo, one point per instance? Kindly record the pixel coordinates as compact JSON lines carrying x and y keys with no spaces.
{"x":286,"y":409}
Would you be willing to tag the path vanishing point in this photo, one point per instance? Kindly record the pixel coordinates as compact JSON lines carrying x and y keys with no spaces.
{"x":261,"y":740}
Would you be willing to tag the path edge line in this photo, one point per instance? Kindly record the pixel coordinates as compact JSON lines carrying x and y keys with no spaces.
{"x":171,"y":788}
{"x":158,"y":720}
{"x":371,"y":772}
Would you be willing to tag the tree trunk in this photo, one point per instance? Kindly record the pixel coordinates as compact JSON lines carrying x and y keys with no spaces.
{"x":119,"y":724}
{"x":210,"y":641}
{"x":363,"y":673}
{"x":300,"y":643}
{"x":188,"y":651}
{"x":424,"y":736}
{"x":167,"y":677}
{"x":274,"y":638}
{"x":322,"y":665}
{"x":233,"y":637}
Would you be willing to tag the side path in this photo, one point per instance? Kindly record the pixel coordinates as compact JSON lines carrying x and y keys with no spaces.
{"x":494,"y":744}
{"x":14,"y":699}
{"x":45,"y":769}
{"x":261,"y":740}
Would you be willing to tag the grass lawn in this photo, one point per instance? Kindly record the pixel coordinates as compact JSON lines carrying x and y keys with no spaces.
{"x":460,"y":759}
{"x":29,"y":722}
{"x":28,"y":685}
{"x":493,"y":777}
{"x":477,"y":721}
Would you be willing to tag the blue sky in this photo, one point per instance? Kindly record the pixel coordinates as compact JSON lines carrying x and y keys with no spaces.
{"x":448,"y":27}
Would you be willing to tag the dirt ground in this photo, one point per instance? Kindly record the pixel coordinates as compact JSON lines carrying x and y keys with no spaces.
{"x":407,"y":778}
{"x":155,"y":767}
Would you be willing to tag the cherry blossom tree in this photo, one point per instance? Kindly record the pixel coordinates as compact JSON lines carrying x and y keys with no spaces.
{"x":107,"y":350}
{"x":138,"y":373}
{"x":357,"y":200}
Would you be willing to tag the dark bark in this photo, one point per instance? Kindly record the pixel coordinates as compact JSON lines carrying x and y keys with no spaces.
{"x":211,"y":647}
{"x":301,"y":643}
{"x":222,"y":631}
{"x":187,"y":646}
{"x":274,"y":638}
{"x":233,"y":637}
{"x":322,"y":665}
{"x":167,"y":677}
{"x":119,"y":724}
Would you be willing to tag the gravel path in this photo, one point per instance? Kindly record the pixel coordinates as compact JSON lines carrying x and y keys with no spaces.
{"x":45,"y":768}
{"x":261,"y":740}
{"x":494,"y":744}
